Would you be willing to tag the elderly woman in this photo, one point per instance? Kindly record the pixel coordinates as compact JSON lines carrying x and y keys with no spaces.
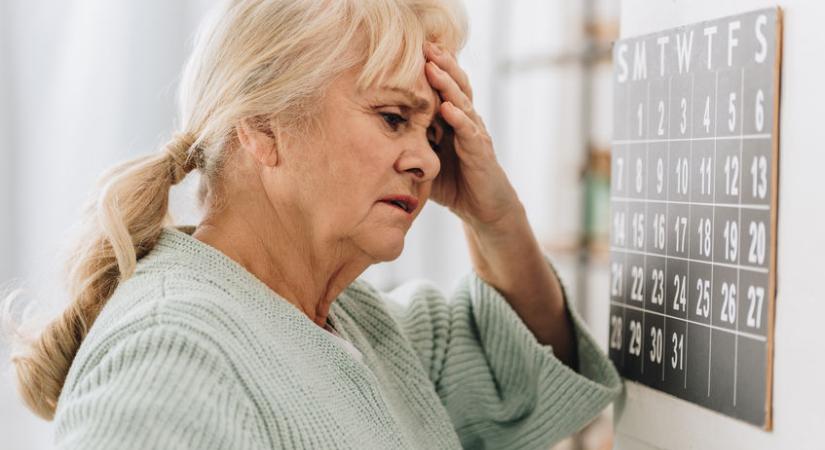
{"x":320,"y":129}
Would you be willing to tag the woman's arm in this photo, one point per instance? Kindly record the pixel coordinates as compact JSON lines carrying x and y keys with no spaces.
{"x":475,"y":187}
{"x":500,"y":386}
{"x":508,"y":257}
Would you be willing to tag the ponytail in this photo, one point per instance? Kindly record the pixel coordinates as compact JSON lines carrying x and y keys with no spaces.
{"x":121,"y":224}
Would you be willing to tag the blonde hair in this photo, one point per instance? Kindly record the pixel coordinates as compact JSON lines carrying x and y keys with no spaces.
{"x":263,"y":59}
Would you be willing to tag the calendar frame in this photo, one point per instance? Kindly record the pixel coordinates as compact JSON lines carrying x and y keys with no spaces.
{"x":703,"y":185}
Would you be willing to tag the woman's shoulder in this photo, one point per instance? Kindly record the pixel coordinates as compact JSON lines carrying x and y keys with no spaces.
{"x":160,"y":299}
{"x":130,"y":368}
{"x":147,"y":304}
{"x":185,"y":282}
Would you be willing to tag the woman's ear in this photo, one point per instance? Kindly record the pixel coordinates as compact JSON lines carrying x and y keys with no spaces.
{"x":257,"y":138}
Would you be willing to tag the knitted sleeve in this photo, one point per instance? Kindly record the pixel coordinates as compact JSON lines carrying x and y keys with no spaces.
{"x":501,"y":387}
{"x":161,"y":387}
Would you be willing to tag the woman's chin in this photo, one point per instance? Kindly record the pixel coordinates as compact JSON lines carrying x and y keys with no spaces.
{"x":387,"y":247}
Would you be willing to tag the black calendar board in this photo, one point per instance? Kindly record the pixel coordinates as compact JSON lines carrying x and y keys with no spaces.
{"x":693,"y":211}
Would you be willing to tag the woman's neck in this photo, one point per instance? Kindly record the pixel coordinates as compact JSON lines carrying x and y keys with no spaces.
{"x":284,"y":256}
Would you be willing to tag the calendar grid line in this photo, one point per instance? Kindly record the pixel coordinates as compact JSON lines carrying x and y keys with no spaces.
{"x":624,"y":313}
{"x":624,"y":256}
{"x":753,"y":336}
{"x":754,"y":136}
{"x":739,"y":221}
{"x":690,"y":260}
{"x":647,"y":170}
{"x":664,"y":326}
{"x":690,"y":159}
{"x":754,"y":206}
{"x":713,"y":216}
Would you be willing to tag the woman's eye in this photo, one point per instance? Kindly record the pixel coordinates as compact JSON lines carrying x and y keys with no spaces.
{"x":432,"y":138}
{"x":393,"y":120}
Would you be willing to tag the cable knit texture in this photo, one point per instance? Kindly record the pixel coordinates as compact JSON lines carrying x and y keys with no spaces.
{"x":195,"y":352}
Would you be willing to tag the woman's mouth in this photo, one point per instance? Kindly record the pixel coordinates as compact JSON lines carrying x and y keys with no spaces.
{"x":406,"y":203}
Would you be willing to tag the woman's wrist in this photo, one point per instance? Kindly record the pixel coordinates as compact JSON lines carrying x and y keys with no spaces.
{"x":495,"y":246}
{"x":508,"y":225}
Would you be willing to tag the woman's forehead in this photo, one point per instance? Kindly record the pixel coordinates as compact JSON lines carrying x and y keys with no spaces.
{"x":419,"y":96}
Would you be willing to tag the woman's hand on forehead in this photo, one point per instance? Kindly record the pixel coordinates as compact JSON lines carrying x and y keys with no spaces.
{"x":471,"y":183}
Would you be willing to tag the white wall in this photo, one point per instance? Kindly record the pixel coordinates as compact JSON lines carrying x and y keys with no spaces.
{"x":5,"y":152}
{"x":655,"y":420}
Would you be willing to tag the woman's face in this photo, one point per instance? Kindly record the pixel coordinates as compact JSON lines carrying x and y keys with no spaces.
{"x":362,"y":182}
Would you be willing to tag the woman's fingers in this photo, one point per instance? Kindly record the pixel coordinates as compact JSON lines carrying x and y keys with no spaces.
{"x":449,"y":89}
{"x":470,"y":136}
{"x":448,"y":63}
{"x":445,"y":75}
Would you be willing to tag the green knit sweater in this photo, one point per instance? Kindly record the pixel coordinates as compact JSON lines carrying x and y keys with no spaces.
{"x":194,"y":351}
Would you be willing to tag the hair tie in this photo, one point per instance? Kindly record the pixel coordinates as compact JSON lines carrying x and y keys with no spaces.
{"x":183,"y":160}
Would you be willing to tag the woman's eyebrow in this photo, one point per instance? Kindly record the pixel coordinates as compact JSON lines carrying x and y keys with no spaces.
{"x":418,"y":103}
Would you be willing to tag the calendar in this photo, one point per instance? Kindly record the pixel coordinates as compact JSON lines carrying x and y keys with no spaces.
{"x":694,"y":169}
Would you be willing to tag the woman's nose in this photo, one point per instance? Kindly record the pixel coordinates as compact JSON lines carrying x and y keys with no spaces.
{"x":420,"y":160}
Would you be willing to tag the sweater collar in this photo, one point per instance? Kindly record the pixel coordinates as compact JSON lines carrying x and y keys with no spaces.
{"x":176,"y":247}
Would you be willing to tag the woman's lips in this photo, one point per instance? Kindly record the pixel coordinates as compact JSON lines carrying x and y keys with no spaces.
{"x":405,"y":203}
